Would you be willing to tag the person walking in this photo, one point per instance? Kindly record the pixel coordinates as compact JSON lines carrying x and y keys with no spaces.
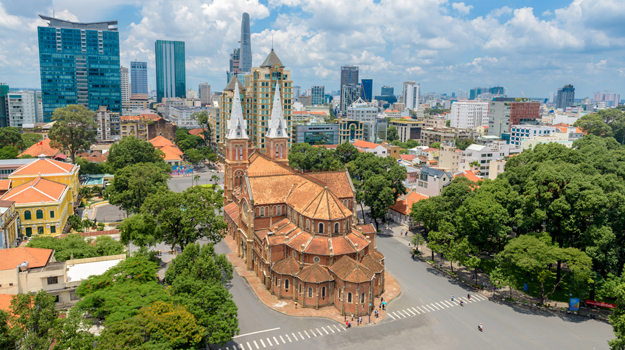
{"x":352,"y":317}
{"x":360,"y":320}
{"x":384,"y":305}
{"x":452,"y":297}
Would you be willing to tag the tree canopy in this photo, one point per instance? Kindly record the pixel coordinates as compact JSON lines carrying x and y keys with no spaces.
{"x":133,"y":184}
{"x":392,"y":134}
{"x":77,"y":246}
{"x":8,"y":152}
{"x":130,"y":151}
{"x":74,"y":129}
{"x":303,"y":156}
{"x":11,"y":136}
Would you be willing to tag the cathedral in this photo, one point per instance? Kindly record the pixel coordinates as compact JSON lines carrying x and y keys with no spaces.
{"x":297,"y":231}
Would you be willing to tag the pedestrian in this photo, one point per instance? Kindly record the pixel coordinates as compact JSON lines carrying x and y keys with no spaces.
{"x":452,"y":297}
{"x":352,"y":317}
{"x":380,"y":305}
{"x":360,"y":319}
{"x":384,"y":305}
{"x":358,"y":322}
{"x":296,"y":305}
{"x":381,"y":298}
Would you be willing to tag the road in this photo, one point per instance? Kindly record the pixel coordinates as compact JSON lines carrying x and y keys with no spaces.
{"x":424,"y":317}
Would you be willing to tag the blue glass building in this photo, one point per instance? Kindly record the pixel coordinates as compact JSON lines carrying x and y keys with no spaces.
{"x":170,"y":69}
{"x":138,"y":78}
{"x":79,"y":64}
{"x":367,"y":90}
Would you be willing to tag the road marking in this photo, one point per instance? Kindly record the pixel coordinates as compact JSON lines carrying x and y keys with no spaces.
{"x":263,"y":343}
{"x":256,"y":344}
{"x":392,"y":316}
{"x":416,"y":311}
{"x":337,"y":328}
{"x":269,"y":341}
{"x":276,"y":340}
{"x":249,"y":346}
{"x":313,"y":333}
{"x":307,"y":334}
{"x":439,"y":305}
{"x":287,"y":337}
{"x":283,"y":342}
{"x":300,"y":334}
{"x":331,"y":329}
{"x":295,"y":337}
{"x":429,"y":308}
{"x":398,"y":314}
{"x":403,"y":313}
{"x":413,"y":314}
{"x":325,"y":330}
{"x":318,"y":331}
{"x":240,"y":347}
{"x":434,"y":306}
{"x":266,"y":330}
{"x":450,"y":304}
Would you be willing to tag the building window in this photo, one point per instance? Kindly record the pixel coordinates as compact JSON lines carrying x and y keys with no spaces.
{"x":310,"y":292}
{"x":73,"y":296}
{"x":349,"y":297}
{"x":40,"y":230}
{"x":336,"y":227}
{"x":29,"y":232}
{"x":51,"y":214}
{"x":277,"y":282}
{"x":52,"y":229}
{"x":362,"y":298}
{"x":39,"y":214}
{"x":316,"y":259}
{"x":320,"y":227}
{"x":27,"y":215}
{"x":262,"y":212}
{"x":286,"y":284}
{"x":57,"y":299}
{"x":323,"y":292}
{"x":294,"y":254}
{"x":53,"y":280}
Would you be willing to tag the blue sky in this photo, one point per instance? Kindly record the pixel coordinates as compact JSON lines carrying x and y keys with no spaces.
{"x":532,"y":47}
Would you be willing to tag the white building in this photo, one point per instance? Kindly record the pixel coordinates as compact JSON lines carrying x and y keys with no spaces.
{"x":103,"y":120}
{"x":23,"y":108}
{"x":125,"y":87}
{"x":361,"y":111}
{"x":181,"y":116}
{"x":192,"y":94}
{"x":411,"y":93}
{"x":484,"y":155}
{"x":370,"y":147}
{"x":519,"y":133}
{"x":468,"y":114}
{"x":562,"y":138}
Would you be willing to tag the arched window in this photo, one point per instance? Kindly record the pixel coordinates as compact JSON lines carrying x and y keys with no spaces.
{"x":300,"y":288}
{"x":241,"y":152}
{"x":349,"y":297}
{"x":310,"y":292}
{"x":29,"y":232}
{"x":320,"y":227}
{"x":40,"y":230}
{"x":286,"y":284}
{"x":362,"y":298}
{"x":281,"y":147}
{"x":307,"y":224}
{"x":262,"y":212}
{"x":323,"y":292}
{"x":336,"y":227}
{"x":279,"y":210}
{"x":277,"y":282}
{"x":39,"y":214}
{"x":27,"y":215}
{"x":277,"y":152}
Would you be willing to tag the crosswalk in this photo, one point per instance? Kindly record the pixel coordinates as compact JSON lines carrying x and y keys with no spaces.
{"x":311,"y":333}
{"x":432,"y":307}
{"x":291,"y":337}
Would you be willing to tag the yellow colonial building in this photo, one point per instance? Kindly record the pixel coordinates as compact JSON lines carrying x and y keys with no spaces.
{"x":8,"y":224}
{"x":60,"y":172}
{"x":43,"y":206}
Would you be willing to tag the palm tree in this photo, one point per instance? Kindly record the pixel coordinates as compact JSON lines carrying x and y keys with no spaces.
{"x":197,"y":179}
{"x":215,"y":179}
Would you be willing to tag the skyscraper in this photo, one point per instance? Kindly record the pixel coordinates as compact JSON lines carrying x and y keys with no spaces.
{"x":245,"y":64}
{"x":297,"y":91}
{"x":4,"y":90}
{"x":367,"y":90}
{"x":411,"y":95}
{"x":125,"y":86}
{"x":566,"y":96}
{"x":79,"y":64}
{"x":317,"y":95}
{"x":387,"y":91}
{"x":170,"y":69}
{"x":138,"y":78}
{"x":351,"y":93}
{"x":349,"y":76}
{"x":205,"y":94}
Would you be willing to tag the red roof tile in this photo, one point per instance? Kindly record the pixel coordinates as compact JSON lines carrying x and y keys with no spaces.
{"x":365,"y":144}
{"x":368,"y":228}
{"x":288,"y":266}
{"x":469,"y":175}
{"x":408,"y":157}
{"x":314,"y":273}
{"x":42,"y":147}
{"x":404,"y":206}
{"x":349,"y":270}
{"x":37,"y":257}
{"x":44,"y":167}
{"x":372,"y":264}
{"x":38,"y":190}
{"x":318,"y":246}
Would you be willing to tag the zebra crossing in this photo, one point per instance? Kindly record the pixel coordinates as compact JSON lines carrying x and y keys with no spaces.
{"x":291,"y":337}
{"x":432,"y":307}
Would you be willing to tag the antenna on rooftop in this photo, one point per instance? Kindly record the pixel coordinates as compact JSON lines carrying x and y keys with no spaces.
{"x":271,"y":41}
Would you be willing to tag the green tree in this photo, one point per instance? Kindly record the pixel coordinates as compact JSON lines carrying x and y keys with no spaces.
{"x":379,"y":196}
{"x":483,"y":221}
{"x":436,"y":145}
{"x":133,"y":184}
{"x":7,"y":338}
{"x":535,"y":254}
{"x":204,"y":121}
{"x":617,"y":291}
{"x":303,"y":156}
{"x":11,"y":136}
{"x":31,"y":139}
{"x":171,"y":325}
{"x":122,"y":290}
{"x":140,"y":230}
{"x":448,"y":123}
{"x":106,"y":245}
{"x":594,"y":124}
{"x":346,"y":152}
{"x":72,"y":332}
{"x":9,"y":152}
{"x":33,"y":320}
{"x":87,"y":167}
{"x":392,"y":134}
{"x":194,"y":156}
{"x":74,"y":129}
{"x":65,"y":248}
{"x":197,"y":279}
{"x":130,"y":151}
{"x":463,"y":143}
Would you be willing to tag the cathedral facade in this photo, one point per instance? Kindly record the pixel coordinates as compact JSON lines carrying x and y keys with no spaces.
{"x":297,"y":231}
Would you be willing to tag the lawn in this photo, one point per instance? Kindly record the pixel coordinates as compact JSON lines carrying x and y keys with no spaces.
{"x":211,"y":186}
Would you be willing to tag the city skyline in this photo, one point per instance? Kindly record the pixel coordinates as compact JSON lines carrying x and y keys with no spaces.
{"x":532,"y":50}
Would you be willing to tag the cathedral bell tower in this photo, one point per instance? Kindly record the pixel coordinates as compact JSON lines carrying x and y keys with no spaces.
{"x":236,"y":147}
{"x":277,"y":139}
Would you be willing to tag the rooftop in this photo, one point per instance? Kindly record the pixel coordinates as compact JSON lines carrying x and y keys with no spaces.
{"x":37,"y":257}
{"x":80,"y":272}
{"x":41,"y":148}
{"x":272,"y":60}
{"x":365,"y":144}
{"x":35,"y":191}
{"x":44,"y":166}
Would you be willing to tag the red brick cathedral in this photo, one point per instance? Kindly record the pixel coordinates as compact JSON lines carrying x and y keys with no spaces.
{"x":297,"y":231}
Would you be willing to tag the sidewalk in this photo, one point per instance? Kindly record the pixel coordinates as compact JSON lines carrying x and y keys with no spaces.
{"x":287,"y":306}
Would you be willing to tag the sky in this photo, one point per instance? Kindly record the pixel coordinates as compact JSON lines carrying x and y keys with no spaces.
{"x":532,"y":47}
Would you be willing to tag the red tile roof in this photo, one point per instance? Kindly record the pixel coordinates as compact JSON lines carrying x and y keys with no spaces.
{"x":365,"y":144}
{"x":197,"y":131}
{"x":37,"y":257}
{"x":469,"y":175}
{"x":368,"y":228}
{"x":232,"y":210}
{"x":318,"y":246}
{"x":314,"y":274}
{"x":44,"y":167}
{"x":408,"y":157}
{"x":349,"y":270}
{"x":42,"y":147}
{"x":160,"y":141}
{"x":5,"y":184}
{"x":372,"y":264}
{"x":288,"y":266}
{"x":37,"y":190}
{"x":404,"y":206}
{"x":5,"y":302}
{"x":430,"y":149}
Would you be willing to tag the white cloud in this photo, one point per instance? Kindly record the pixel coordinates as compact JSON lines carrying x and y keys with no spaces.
{"x":461,"y":7}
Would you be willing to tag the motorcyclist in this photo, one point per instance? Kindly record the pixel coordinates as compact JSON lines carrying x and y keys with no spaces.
{"x":469,"y":296}
{"x":461,"y":303}
{"x":480,"y":327}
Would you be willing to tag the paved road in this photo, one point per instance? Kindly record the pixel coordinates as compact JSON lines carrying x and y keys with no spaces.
{"x":423,"y":316}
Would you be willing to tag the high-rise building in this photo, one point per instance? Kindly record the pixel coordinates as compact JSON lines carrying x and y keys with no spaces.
{"x":79,"y":64}
{"x":317,"y":94}
{"x":475,"y":92}
{"x":170,"y":69}
{"x":4,"y":90}
{"x":411,"y":95}
{"x":350,"y":94}
{"x":566,"y":97}
{"x":205,"y":94}
{"x":504,"y":112}
{"x":256,"y":96}
{"x":297,"y":91}
{"x":552,"y":97}
{"x":22,"y":108}
{"x":245,"y":65}
{"x":367,"y":89}
{"x":611,"y":99}
{"x":139,"y":78}
{"x":125,"y":85}
{"x":497,"y":90}
{"x":235,"y":60}
{"x":387,"y":91}
{"x":468,"y":114}
{"x":349,"y":76}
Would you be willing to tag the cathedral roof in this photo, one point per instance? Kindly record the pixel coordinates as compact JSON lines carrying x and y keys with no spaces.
{"x":288,"y":266}
{"x":372,"y":264}
{"x":326,"y":206}
{"x":314,"y":273}
{"x":277,"y":125}
{"x":237,"y":125}
{"x":272,"y":60}
{"x":349,"y":270}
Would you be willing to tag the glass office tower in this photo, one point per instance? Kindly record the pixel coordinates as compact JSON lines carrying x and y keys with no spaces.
{"x":367,"y":90}
{"x":79,"y":64}
{"x":170,"y":69}
{"x":138,"y":78}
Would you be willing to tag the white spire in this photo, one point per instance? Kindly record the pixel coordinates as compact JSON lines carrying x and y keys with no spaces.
{"x":237,"y":125}
{"x":277,"y":125}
